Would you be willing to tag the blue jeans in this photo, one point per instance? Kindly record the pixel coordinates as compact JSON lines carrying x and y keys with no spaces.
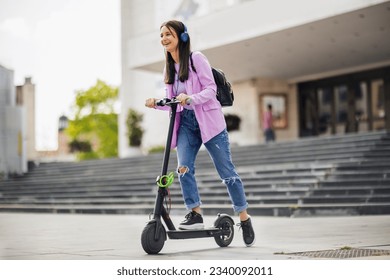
{"x":188,"y":144}
{"x":269,"y":135}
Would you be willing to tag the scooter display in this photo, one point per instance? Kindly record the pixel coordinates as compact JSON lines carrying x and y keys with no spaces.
{"x":156,"y":230}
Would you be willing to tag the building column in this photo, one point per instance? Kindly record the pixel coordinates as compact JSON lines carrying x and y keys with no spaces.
{"x":351,"y":125}
{"x":333,"y":111}
{"x":370,"y":118}
{"x":386,"y":88}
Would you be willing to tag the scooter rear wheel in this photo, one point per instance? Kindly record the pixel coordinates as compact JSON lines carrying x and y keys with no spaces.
{"x":226,"y":224}
{"x":150,"y":244}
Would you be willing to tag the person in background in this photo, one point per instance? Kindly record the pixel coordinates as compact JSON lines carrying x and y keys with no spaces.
{"x":199,"y":120}
{"x":269,"y":133}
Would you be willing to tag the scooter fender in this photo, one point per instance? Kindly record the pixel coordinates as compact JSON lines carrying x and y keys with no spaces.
{"x":220,"y":216}
{"x":158,"y":227}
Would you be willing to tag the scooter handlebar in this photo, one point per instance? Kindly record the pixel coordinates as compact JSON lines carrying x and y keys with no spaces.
{"x":169,"y":102}
{"x":162,"y":102}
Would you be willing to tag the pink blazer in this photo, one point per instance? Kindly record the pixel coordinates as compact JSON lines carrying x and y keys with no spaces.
{"x":201,"y":87}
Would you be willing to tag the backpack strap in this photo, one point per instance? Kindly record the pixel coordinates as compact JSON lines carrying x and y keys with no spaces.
{"x":192,"y":63}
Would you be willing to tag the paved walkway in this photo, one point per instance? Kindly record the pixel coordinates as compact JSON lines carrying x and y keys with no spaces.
{"x":117,"y":237}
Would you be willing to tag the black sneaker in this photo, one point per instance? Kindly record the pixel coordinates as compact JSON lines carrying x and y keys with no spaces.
{"x":248,"y":233}
{"x":192,"y":220}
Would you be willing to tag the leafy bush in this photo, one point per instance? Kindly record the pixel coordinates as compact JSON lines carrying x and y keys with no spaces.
{"x":134,"y":130}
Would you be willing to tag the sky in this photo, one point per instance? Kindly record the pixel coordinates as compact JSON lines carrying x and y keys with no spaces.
{"x":64,"y":46}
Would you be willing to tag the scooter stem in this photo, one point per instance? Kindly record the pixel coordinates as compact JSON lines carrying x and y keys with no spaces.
{"x":167,"y":151}
{"x":159,"y":210}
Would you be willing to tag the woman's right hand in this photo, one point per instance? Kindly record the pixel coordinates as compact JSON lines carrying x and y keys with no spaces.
{"x":150,"y":102}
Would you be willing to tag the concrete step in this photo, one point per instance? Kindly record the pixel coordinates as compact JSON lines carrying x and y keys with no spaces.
{"x":347,"y":174}
{"x":255,"y":209}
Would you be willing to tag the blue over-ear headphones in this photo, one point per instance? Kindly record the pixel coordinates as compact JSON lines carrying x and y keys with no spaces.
{"x":184,"y":36}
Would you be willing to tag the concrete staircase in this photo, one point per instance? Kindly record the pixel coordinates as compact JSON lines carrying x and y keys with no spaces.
{"x":338,"y":175}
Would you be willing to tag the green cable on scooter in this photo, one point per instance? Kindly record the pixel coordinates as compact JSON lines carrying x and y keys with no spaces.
{"x":166,"y":180}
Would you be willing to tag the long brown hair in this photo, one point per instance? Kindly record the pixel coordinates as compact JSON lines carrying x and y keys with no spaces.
{"x":184,"y":53}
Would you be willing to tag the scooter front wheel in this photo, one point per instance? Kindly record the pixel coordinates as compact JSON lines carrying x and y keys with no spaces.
{"x":152,"y":241}
{"x":226,"y":224}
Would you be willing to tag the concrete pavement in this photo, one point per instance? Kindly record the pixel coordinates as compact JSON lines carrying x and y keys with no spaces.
{"x":117,"y":237}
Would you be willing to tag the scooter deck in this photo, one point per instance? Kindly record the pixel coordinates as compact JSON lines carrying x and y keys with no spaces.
{"x":195,"y":233}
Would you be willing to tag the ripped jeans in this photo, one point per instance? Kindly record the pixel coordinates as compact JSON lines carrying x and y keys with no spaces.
{"x":188,"y":144}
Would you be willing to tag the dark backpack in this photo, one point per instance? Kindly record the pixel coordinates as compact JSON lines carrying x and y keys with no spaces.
{"x":225,"y":94}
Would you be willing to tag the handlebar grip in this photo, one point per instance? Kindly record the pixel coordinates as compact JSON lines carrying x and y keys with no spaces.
{"x":161,"y":102}
{"x":189,"y":101}
{"x":167,"y":101}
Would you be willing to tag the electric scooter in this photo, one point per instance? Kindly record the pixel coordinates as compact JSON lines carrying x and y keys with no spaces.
{"x":155,"y":234}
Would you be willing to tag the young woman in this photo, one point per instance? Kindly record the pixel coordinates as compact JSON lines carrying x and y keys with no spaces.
{"x":199,"y":120}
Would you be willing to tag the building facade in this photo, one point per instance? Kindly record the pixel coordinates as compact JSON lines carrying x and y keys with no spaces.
{"x":25,"y":97}
{"x":63,"y":152}
{"x":13,"y":156}
{"x":324,"y":66}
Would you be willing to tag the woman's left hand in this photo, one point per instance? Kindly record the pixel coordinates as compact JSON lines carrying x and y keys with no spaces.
{"x":183,"y":98}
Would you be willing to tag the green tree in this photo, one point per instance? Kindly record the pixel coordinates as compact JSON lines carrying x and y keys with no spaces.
{"x":134,"y":129}
{"x":94,"y":129}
